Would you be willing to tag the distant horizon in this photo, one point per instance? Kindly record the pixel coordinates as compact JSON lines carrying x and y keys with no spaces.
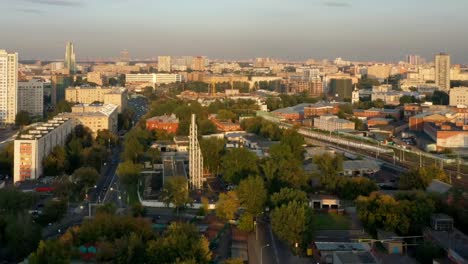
{"x":358,"y":30}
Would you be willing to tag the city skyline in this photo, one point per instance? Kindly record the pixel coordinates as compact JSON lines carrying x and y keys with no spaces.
{"x":357,"y":30}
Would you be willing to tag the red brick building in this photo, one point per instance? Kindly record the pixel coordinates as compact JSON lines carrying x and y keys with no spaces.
{"x":320,"y":109}
{"x":225,"y":126}
{"x":168,"y":123}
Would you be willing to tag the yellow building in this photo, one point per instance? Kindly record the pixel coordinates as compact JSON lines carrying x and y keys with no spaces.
{"x":95,"y":116}
{"x":106,"y":95}
{"x":97,"y":78}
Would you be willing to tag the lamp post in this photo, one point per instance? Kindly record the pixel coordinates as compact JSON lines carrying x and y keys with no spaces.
{"x":261,"y":253}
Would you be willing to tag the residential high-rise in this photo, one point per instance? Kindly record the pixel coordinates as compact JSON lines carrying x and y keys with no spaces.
{"x":341,"y":89}
{"x":124,"y":56}
{"x":32,"y":146}
{"x":414,"y":60}
{"x":8,"y":87}
{"x":198,"y":63}
{"x":70,"y":60}
{"x":442,"y":71}
{"x":31,"y":97}
{"x":164,"y":64}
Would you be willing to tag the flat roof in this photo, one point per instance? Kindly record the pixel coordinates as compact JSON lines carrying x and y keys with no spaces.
{"x":340,"y":246}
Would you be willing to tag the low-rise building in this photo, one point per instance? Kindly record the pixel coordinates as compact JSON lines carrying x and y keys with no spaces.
{"x":32,"y":146}
{"x":168,"y":123}
{"x":378,"y":121}
{"x":321,"y":108}
{"x":447,"y":135}
{"x":152,"y":79}
{"x":360,"y":167}
{"x":31,"y":97}
{"x":95,"y":116}
{"x":333,"y":123}
{"x":225,"y":125}
{"x":378,"y":112}
{"x":293,"y":113}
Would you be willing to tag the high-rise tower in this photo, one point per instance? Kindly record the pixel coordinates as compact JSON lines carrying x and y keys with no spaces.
{"x":195,"y":158}
{"x":8,"y":87}
{"x":70,"y":60}
{"x":442,"y":71}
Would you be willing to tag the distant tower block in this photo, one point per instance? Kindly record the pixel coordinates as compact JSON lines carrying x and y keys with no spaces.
{"x":195,"y":158}
{"x":355,"y":95}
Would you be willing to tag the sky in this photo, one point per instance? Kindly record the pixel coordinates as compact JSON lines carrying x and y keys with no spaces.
{"x":373,"y":30}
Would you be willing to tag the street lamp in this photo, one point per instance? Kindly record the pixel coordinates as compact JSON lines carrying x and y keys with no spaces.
{"x":261,"y":253}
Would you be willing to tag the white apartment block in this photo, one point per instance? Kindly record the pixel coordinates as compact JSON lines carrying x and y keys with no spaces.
{"x":459,"y":96}
{"x":8,"y":87}
{"x":31,"y":97}
{"x":32,"y":147}
{"x":106,"y":95}
{"x":333,"y":123}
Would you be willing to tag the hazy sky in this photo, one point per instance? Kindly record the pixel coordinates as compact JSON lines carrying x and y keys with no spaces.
{"x":289,"y":29}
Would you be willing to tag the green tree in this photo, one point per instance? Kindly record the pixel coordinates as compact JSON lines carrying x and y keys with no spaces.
{"x":13,"y":201}
{"x":6,"y":159}
{"x":106,"y":138}
{"x":107,"y":208}
{"x":406,"y":99}
{"x":181,"y":243}
{"x":22,"y":119}
{"x":227,"y":205}
{"x":440,"y":98}
{"x":420,"y":178}
{"x":206,"y":127}
{"x":176,"y":192}
{"x":330,"y":167}
{"x":238,"y":164}
{"x":154,"y":155}
{"x":287,"y":195}
{"x":85,"y":177}
{"x":54,"y":210}
{"x":212,"y":150}
{"x":56,"y":163}
{"x":50,"y":251}
{"x":22,"y":235}
{"x":379,"y":103}
{"x":351,"y":188}
{"x":289,"y":222}
{"x":133,"y":149}
{"x":295,"y":141}
{"x":226,"y":115}
{"x":234,"y":261}
{"x":252,"y":194}
{"x":129,"y":172}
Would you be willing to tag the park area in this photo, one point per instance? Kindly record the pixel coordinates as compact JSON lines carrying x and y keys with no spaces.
{"x":330,"y":221}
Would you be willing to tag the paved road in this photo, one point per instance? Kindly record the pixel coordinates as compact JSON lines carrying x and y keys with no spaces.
{"x":276,"y":253}
{"x":77,"y":213}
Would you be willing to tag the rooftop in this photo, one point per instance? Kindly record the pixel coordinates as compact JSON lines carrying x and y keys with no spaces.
{"x":165,"y":119}
{"x":355,"y":257}
{"x":43,"y":129}
{"x":340,"y":246}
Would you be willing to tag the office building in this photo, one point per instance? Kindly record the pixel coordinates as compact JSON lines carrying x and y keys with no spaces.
{"x":95,"y":116}
{"x":333,"y":123}
{"x":442,"y":71}
{"x":70,"y":59}
{"x":8,"y":87}
{"x":459,"y":96}
{"x":124,"y":57}
{"x":107,"y":95}
{"x":341,"y":89}
{"x":198,"y":63}
{"x":32,"y":147}
{"x":59,"y":84}
{"x":153,"y":79}
{"x":164,"y":64}
{"x":31,"y":97}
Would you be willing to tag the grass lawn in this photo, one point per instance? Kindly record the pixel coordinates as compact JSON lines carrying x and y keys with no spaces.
{"x":323,"y":221}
